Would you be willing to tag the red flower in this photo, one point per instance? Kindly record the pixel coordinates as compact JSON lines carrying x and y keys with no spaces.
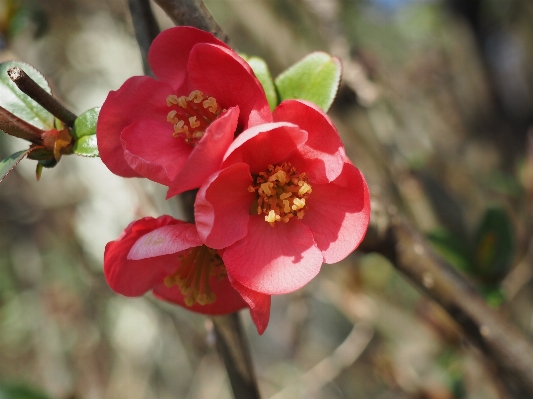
{"x":167,"y":256}
{"x":176,"y":129}
{"x":285,"y":200}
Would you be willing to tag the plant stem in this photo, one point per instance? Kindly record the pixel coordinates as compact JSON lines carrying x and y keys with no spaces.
{"x":232,"y":346}
{"x":146,"y":28}
{"x":28,"y":86}
{"x":17,"y":127}
{"x":192,"y":13}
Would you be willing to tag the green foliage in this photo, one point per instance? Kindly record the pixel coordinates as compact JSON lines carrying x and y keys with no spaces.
{"x":260,"y":68}
{"x":18,"y":103}
{"x":85,"y":133}
{"x":494,"y":245}
{"x":9,"y":163}
{"x":315,"y":78}
{"x":457,"y":252}
{"x":19,"y":391}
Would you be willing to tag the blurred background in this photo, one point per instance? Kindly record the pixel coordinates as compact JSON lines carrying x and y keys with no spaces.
{"x":435,"y":108}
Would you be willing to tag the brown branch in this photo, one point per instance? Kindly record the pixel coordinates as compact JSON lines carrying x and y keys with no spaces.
{"x":146,"y":28}
{"x":192,"y":13}
{"x":507,"y":347}
{"x":233,"y":347}
{"x":28,"y":86}
{"x":14,"y":126}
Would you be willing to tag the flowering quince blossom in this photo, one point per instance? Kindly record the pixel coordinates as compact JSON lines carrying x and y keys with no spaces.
{"x":175,"y":129}
{"x":285,"y":199}
{"x":167,"y":256}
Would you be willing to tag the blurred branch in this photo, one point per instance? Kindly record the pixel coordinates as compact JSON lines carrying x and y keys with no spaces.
{"x":510,"y":351}
{"x":192,"y":13}
{"x":28,"y":86}
{"x":145,"y":26}
{"x":232,"y":346}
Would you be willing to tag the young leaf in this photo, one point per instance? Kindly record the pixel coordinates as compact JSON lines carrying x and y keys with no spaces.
{"x":494,"y":245}
{"x":85,"y":133}
{"x":18,"y":103}
{"x":260,"y":68}
{"x":315,"y":78}
{"x":9,"y":163}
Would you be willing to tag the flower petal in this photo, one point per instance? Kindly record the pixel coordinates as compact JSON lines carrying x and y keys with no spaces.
{"x":165,"y":240}
{"x":135,"y":277}
{"x":265,"y":144}
{"x":273,"y":260}
{"x":227,"y":300}
{"x":338,"y":214}
{"x":259,"y":305}
{"x":322,"y":155}
{"x":221,"y":73}
{"x":207,"y":155}
{"x":153,"y":152}
{"x":169,"y":53}
{"x":222,"y":206}
{"x":140,"y":97}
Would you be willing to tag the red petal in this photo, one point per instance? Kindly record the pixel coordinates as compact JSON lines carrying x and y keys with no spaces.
{"x":153,"y":152}
{"x":222,"y":206}
{"x":207,"y":155}
{"x":273,"y":260}
{"x":227,"y":299}
{"x":266,"y":144}
{"x":135,"y":277}
{"x":322,"y":156}
{"x":169,"y":52}
{"x":221,"y":73}
{"x":259,"y":305}
{"x":165,"y":240}
{"x":140,"y":97}
{"x":338,"y":214}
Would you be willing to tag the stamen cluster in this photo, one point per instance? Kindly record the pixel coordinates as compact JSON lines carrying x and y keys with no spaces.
{"x":282,"y":193}
{"x":196,"y":111}
{"x":194,"y":274}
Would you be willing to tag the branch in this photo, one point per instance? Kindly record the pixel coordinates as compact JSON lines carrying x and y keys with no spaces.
{"x":232,"y":346}
{"x":146,"y":28}
{"x":14,"y":126}
{"x":28,"y":86}
{"x":501,"y":342}
{"x":192,"y":13}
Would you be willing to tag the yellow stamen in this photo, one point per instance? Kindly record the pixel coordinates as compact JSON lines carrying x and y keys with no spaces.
{"x":194,"y":273}
{"x":281,"y":193}
{"x":191,"y":115}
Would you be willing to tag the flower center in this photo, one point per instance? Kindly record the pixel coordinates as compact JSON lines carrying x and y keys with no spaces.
{"x":193,"y":275}
{"x":281,"y":193}
{"x":191,"y":115}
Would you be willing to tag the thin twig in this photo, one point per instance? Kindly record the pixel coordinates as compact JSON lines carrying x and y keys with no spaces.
{"x":28,"y":86}
{"x":17,"y":127}
{"x":192,"y":13}
{"x":146,"y":28}
{"x":232,"y":346}
{"x":501,"y":342}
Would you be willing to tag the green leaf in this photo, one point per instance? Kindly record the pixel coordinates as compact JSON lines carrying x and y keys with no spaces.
{"x":18,"y":103}
{"x":494,"y":245}
{"x":86,"y":146}
{"x":452,"y":248}
{"x":315,"y":78}
{"x":9,"y":163}
{"x":260,"y":68}
{"x":85,"y":133}
{"x":20,"y":391}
